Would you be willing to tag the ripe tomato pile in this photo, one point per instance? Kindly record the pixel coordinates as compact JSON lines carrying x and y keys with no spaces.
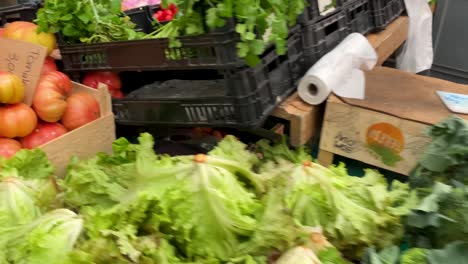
{"x":55,"y":110}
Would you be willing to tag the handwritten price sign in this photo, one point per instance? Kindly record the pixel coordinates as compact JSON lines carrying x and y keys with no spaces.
{"x":25,"y":60}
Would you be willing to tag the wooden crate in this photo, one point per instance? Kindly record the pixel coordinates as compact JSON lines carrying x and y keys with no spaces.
{"x":388,"y":128}
{"x":84,"y":142}
{"x":356,"y":132}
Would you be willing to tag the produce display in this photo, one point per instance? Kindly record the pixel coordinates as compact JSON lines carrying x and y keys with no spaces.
{"x":93,"y":21}
{"x":263,"y":203}
{"x":273,"y":205}
{"x":52,"y":103}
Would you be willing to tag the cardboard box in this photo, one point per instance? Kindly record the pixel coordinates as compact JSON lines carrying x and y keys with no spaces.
{"x":26,"y":60}
{"x":388,"y":128}
{"x":84,"y":142}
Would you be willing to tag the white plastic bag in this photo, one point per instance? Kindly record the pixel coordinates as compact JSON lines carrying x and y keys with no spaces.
{"x":417,"y":54}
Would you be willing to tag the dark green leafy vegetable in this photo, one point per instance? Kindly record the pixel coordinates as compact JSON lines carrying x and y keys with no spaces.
{"x":441,"y":218}
{"x":258,"y":23}
{"x":446,"y":158}
{"x":453,"y":253}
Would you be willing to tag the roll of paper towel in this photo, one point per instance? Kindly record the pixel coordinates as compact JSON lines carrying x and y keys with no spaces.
{"x":339,"y":71}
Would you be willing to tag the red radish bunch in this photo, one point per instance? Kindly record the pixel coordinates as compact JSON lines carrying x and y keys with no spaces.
{"x":168,"y":14}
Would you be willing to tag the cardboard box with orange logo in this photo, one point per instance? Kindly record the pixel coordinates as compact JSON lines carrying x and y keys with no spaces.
{"x":388,"y":128}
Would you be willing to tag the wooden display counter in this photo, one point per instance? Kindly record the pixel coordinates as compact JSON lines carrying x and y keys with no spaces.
{"x":388,"y":128}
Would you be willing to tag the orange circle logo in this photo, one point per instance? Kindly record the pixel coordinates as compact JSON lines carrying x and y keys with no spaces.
{"x":387,"y":136}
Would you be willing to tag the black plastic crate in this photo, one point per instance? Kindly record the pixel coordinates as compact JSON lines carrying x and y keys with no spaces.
{"x":323,"y":35}
{"x":311,"y":12}
{"x":341,"y":3}
{"x":358,"y":14}
{"x":21,"y":12}
{"x":214,"y":50}
{"x":206,"y":51}
{"x":142,"y":18}
{"x":238,"y":98}
{"x":383,"y":12}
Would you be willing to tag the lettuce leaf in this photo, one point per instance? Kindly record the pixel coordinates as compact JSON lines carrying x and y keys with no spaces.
{"x":209,"y":211}
{"x":231,"y":148}
{"x":28,"y":164}
{"x":48,"y":239}
{"x":281,"y":152}
{"x":18,"y":204}
{"x":353,"y":212}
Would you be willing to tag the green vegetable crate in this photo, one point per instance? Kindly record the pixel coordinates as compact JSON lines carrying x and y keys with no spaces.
{"x":215,"y":50}
{"x":238,"y":97}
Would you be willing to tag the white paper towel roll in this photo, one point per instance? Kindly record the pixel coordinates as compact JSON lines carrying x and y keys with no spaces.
{"x":339,"y":71}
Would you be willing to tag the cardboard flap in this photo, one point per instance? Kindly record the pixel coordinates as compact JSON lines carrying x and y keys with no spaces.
{"x":406,"y":95}
{"x":25,"y":60}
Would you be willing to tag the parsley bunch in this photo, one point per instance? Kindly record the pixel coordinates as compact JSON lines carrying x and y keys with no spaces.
{"x":258,"y":22}
{"x":88,"y":21}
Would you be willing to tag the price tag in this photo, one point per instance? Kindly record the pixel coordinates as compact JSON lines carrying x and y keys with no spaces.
{"x":25,"y":60}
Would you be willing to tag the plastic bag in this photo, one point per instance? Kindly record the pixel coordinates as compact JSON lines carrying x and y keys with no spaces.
{"x":417,"y":54}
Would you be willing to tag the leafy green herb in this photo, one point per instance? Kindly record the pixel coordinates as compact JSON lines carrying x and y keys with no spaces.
{"x":88,"y":21}
{"x":446,"y":157}
{"x":441,"y":218}
{"x":253,"y":20}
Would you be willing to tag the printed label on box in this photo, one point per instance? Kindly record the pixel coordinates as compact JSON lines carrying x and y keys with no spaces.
{"x":374,"y":138}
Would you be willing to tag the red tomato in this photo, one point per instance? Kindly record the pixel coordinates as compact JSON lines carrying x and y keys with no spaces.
{"x":43,"y":133}
{"x":17,"y":120}
{"x":49,"y":66}
{"x":27,"y":31}
{"x":50,"y":98}
{"x":9,"y":147}
{"x":82,"y":109}
{"x":111,"y":79}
